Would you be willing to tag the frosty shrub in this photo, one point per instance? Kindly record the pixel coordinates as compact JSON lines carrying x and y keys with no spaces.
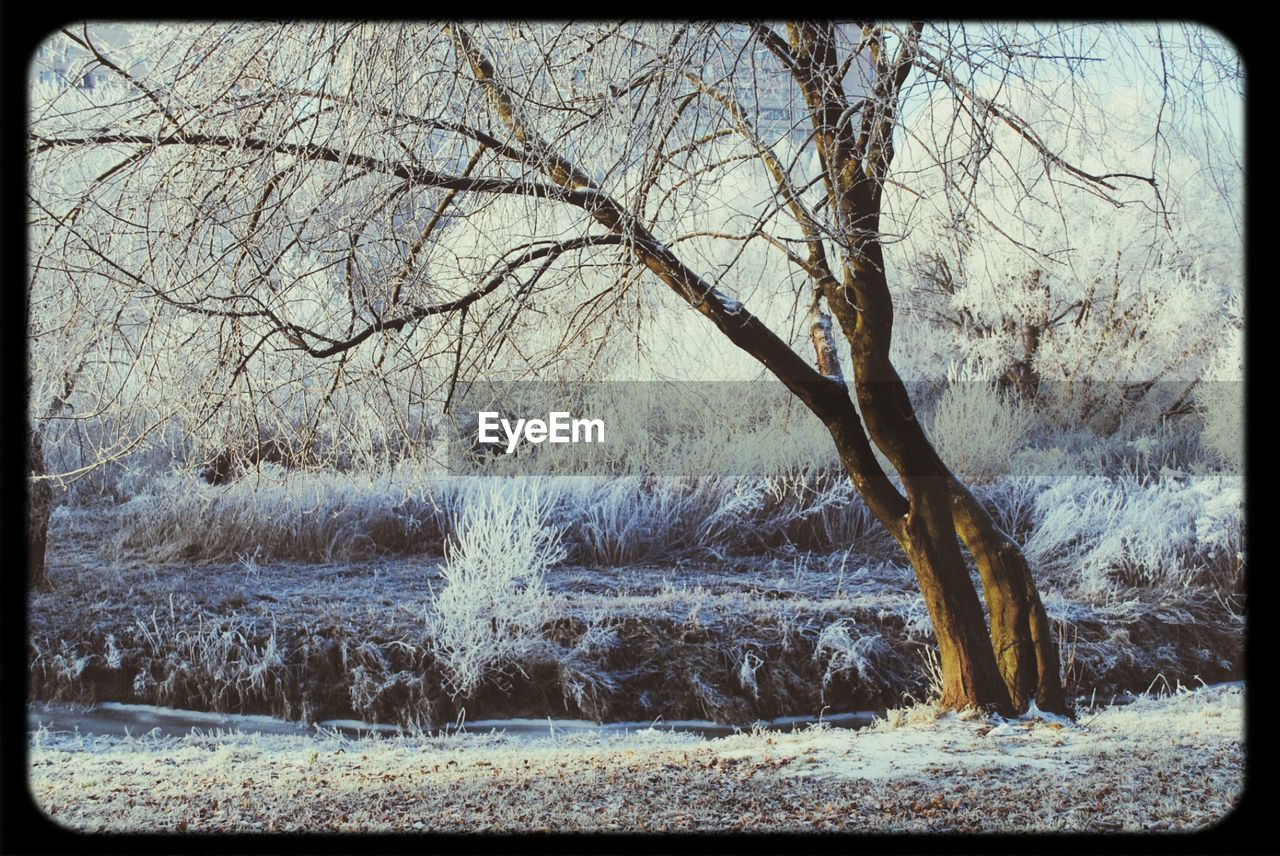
{"x":1105,"y":533}
{"x":1116,"y":308}
{"x":494,"y":602}
{"x":849,"y":654}
{"x":1221,"y":401}
{"x":976,"y":427}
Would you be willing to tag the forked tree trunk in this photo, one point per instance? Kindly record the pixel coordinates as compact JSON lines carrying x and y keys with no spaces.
{"x":1017,"y":661}
{"x":1019,"y":649}
{"x":969,"y":672}
{"x":1021,"y":637}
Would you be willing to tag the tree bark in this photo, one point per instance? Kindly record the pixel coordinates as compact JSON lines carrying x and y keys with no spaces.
{"x":924,"y":527}
{"x":39,"y":507}
{"x":969,"y":671}
{"x":1021,"y":637}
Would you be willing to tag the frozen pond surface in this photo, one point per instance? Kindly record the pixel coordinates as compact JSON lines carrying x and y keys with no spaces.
{"x":118,"y":720}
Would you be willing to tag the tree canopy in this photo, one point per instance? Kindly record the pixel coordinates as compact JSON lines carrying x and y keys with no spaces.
{"x":314,"y":229}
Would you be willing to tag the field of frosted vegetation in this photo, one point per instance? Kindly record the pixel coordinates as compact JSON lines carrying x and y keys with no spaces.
{"x":397,"y":593}
{"x":707,"y":562}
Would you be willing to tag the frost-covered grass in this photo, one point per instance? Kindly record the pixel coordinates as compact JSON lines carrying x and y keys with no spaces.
{"x":1093,"y":534}
{"x":320,"y":516}
{"x":765,"y":479}
{"x":1107,"y":532}
{"x":731,"y":598}
{"x":1168,"y":762}
{"x":377,"y":642}
{"x":218,"y":664}
{"x":610,"y":521}
{"x":730,"y":639}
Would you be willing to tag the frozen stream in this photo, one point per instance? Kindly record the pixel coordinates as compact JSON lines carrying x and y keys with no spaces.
{"x":118,"y":720}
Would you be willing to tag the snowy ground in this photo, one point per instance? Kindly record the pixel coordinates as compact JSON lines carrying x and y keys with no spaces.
{"x":1171,"y":763}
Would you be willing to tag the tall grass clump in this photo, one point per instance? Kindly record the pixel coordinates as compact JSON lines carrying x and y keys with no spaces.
{"x":223,"y":663}
{"x":976,"y":427}
{"x":604,"y":521}
{"x":868,"y":656}
{"x":490,"y":613}
{"x":631,"y":519}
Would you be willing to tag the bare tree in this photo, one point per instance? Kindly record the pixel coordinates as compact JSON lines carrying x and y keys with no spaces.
{"x":249,"y":224}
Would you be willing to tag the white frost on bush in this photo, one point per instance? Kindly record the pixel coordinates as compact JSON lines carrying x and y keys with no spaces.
{"x":976,"y":427}
{"x":845,"y":653}
{"x":1106,"y":531}
{"x":1220,"y":398}
{"x":494,"y":603}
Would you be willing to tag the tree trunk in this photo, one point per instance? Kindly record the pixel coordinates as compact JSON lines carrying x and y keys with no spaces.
{"x":925,"y":529}
{"x":39,"y":507}
{"x":1018,"y":659}
{"x":969,"y":669}
{"x":1021,"y":637}
{"x":1019,"y":648}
